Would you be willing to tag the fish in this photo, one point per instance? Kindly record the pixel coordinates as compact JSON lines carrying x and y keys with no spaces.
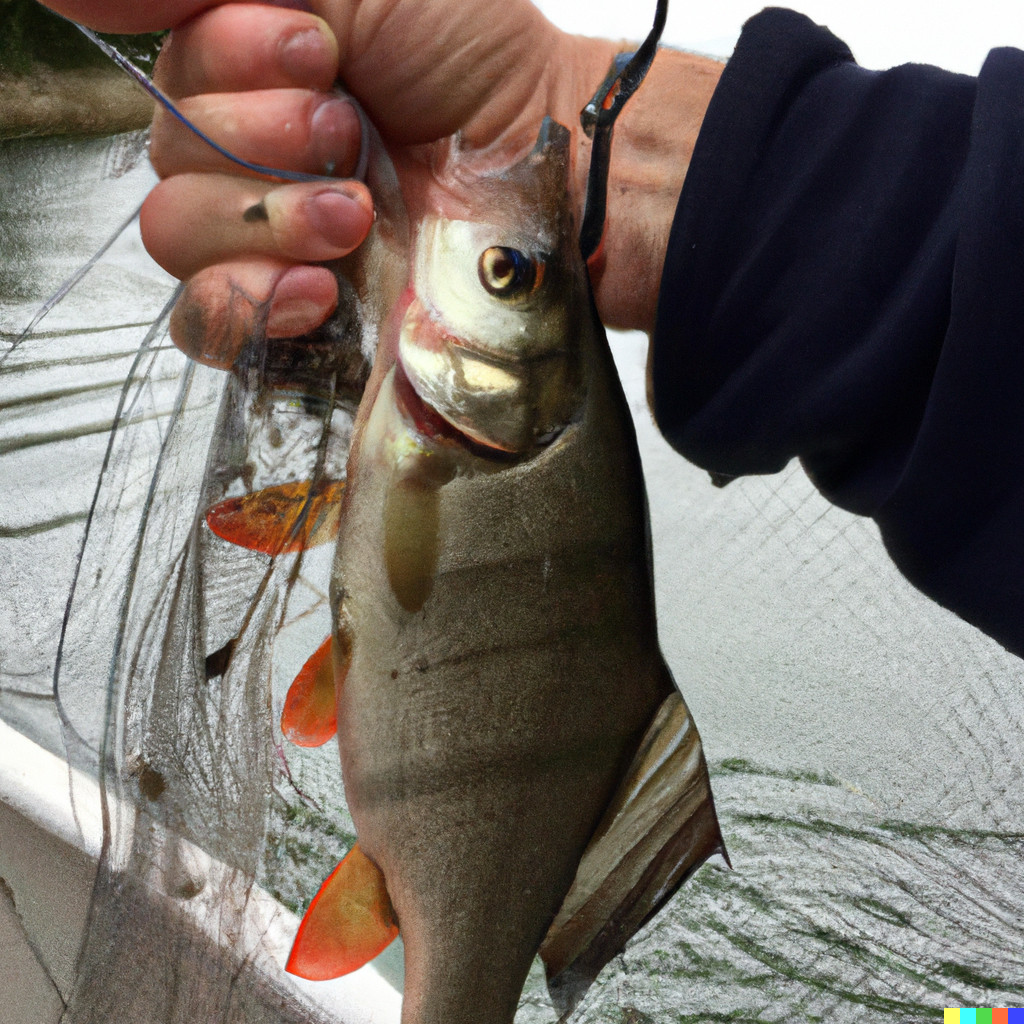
{"x":523,"y":775}
{"x":521,"y":770}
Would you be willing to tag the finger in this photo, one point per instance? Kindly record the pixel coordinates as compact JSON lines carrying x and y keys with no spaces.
{"x":294,"y":129}
{"x":129,"y":15}
{"x":192,"y":221}
{"x":223,"y":307}
{"x":239,"y":47}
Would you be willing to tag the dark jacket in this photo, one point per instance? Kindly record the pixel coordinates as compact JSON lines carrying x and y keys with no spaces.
{"x":844,"y":284}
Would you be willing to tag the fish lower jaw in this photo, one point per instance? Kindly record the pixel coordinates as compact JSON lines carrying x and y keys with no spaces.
{"x":434,"y":427}
{"x":499,"y":402}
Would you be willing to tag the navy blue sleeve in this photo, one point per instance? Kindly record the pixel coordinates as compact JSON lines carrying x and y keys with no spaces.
{"x":844,"y":284}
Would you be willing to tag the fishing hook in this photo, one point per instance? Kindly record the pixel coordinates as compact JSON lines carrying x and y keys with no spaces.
{"x":597,"y":118}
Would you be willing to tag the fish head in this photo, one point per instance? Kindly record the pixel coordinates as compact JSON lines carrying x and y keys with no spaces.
{"x":488,"y":344}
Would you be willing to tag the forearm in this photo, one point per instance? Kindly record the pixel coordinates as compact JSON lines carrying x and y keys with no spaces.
{"x":653,"y":143}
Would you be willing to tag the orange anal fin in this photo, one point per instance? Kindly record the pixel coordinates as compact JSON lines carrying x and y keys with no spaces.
{"x":348,"y":923}
{"x":280,"y":519}
{"x":310,"y":716}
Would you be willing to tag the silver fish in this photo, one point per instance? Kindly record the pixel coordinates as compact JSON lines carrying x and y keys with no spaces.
{"x":522,"y":773}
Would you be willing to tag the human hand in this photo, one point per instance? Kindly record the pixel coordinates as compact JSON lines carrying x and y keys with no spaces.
{"x":258,"y":78}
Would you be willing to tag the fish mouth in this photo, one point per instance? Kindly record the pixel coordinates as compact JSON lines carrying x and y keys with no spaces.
{"x":430,"y":424}
{"x":489,"y":401}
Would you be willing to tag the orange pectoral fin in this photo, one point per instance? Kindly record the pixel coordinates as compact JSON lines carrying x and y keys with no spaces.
{"x":348,"y":923}
{"x":280,"y":519}
{"x":310,"y":716}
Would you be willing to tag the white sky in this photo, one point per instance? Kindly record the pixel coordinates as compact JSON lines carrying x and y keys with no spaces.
{"x":881,"y":33}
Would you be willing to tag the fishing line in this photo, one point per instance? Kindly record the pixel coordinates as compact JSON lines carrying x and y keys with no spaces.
{"x":142,"y":79}
{"x":68,"y":284}
{"x":597,"y":118}
{"x":140,"y":76}
{"x":124,"y":408}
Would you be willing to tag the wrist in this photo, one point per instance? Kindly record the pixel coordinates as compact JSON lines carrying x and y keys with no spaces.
{"x":651,"y":151}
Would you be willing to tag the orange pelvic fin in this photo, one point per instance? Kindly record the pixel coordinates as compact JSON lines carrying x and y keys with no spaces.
{"x":310,"y":716}
{"x":348,"y":923}
{"x":280,"y":519}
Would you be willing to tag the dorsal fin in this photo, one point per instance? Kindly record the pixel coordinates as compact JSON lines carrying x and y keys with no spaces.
{"x":659,"y":828}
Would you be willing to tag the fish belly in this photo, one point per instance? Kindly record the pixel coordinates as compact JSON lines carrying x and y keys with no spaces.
{"x":481,"y":738}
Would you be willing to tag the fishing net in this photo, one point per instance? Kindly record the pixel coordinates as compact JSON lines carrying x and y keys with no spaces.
{"x":864,"y":745}
{"x":168,"y":664}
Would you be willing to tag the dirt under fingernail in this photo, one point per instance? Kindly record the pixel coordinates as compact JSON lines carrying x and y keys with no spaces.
{"x":255,"y":213}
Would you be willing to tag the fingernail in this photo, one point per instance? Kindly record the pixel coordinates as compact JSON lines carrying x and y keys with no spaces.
{"x":305,"y":54}
{"x":303,"y":299}
{"x":212,"y":337}
{"x":335,"y":133}
{"x":337,"y":217}
{"x":292,"y":317}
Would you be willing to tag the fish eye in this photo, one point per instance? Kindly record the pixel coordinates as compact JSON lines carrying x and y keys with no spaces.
{"x":508,"y":273}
